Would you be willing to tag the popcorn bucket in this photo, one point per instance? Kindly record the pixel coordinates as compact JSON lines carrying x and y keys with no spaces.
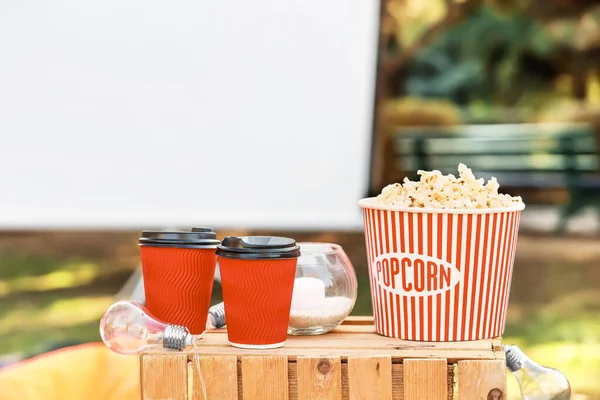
{"x":438,"y":274}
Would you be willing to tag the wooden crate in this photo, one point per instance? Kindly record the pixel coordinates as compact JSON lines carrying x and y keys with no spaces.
{"x":351,"y":362}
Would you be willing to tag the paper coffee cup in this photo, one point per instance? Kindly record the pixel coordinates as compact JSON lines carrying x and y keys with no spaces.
{"x":178,"y":270}
{"x":440,"y":275}
{"x":257,"y":278}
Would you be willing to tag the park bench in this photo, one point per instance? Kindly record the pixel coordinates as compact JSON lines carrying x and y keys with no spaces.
{"x":525,"y":158}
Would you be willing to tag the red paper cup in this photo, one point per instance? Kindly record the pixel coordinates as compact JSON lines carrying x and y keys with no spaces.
{"x":440,"y":275}
{"x":257,"y":277}
{"x":178,"y":270}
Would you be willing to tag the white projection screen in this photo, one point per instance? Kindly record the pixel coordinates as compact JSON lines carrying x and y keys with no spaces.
{"x":146,"y":113}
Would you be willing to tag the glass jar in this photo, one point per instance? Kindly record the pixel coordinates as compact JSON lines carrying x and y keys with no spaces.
{"x":325,"y":289}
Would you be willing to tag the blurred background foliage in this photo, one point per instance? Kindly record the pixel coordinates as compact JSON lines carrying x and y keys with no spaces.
{"x":494,"y":61}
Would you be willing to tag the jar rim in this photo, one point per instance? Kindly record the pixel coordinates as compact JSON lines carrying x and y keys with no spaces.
{"x":333,"y":248}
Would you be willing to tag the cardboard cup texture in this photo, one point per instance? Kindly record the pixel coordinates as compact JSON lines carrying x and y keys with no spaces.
{"x":178,"y":284}
{"x":258,"y":296}
{"x":440,"y":275}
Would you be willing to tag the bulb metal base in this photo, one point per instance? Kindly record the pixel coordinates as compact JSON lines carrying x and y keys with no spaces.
{"x":218,"y":315}
{"x":515,"y":358}
{"x":176,"y":337}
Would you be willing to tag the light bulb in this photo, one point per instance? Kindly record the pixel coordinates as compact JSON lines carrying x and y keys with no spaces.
{"x":128,"y":328}
{"x":216,"y":316}
{"x":536,"y":382}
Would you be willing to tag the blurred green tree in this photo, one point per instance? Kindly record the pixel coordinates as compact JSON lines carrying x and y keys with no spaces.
{"x":502,"y":53}
{"x":488,"y":57}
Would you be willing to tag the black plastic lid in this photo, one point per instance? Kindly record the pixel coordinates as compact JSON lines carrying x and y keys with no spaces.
{"x":197,"y":238}
{"x":258,"y":247}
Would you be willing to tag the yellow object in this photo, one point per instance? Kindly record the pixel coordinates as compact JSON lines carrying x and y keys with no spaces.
{"x":395,"y":113}
{"x":85,"y":372}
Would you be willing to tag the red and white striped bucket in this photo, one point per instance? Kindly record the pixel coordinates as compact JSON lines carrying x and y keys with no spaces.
{"x":440,"y":275}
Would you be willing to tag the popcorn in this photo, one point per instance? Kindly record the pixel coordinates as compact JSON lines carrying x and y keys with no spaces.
{"x":435,"y":190}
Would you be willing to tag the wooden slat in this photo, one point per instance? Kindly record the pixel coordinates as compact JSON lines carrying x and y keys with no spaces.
{"x":220,"y":377}
{"x":358,"y":320}
{"x":425,"y":379}
{"x":265,"y":377}
{"x":397,"y":382}
{"x":319,"y":378}
{"x":358,"y":340}
{"x":293,"y":380}
{"x":497,"y":345}
{"x":397,"y":355}
{"x":350,"y":338}
{"x":370,"y":378}
{"x":164,"y":376}
{"x":450,"y":381}
{"x":345,"y":329}
{"x":484,"y":379}
{"x":344,"y":381}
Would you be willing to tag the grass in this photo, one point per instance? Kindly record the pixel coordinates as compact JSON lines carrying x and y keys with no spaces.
{"x":55,"y":287}
{"x":37,"y":312}
{"x":48,"y":298}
